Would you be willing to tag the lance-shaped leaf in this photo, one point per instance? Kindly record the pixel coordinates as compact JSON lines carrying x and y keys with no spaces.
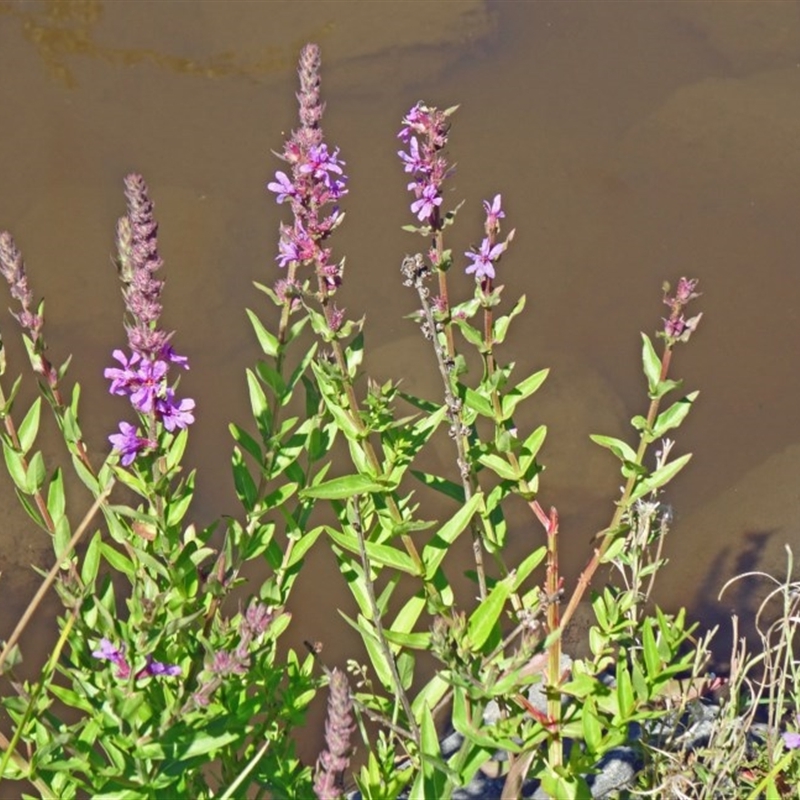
{"x":452,"y":490}
{"x":501,"y":324}
{"x":652,"y":365}
{"x":383,"y":555}
{"x":268,"y":342}
{"x":659,"y":478}
{"x":434,"y":552}
{"x":522,"y":390}
{"x":430,"y":781}
{"x":482,"y":621}
{"x":674,"y":415}
{"x":259,"y":405}
{"x":622,"y":450}
{"x":343,"y":487}
{"x":29,"y":427}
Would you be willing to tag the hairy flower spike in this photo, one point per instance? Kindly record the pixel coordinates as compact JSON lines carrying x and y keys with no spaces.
{"x":425,"y":131}
{"x":676,"y":327}
{"x":143,"y":377}
{"x":12,"y":268}
{"x":312,"y":188}
{"x":334,"y":760}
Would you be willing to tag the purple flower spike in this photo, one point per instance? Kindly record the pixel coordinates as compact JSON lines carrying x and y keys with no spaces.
{"x":313,"y":185}
{"x":425,"y":132}
{"x":676,"y":327}
{"x":143,"y":376}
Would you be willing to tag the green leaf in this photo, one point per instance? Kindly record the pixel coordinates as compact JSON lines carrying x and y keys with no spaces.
{"x":652,"y":659}
{"x":259,"y":405}
{"x":660,"y":477}
{"x":674,"y":415}
{"x":500,"y":467}
{"x":29,"y":426}
{"x":269,"y":343}
{"x":482,"y":621}
{"x":522,"y":390}
{"x":303,"y":545}
{"x":434,"y":552}
{"x":622,"y":450}
{"x":531,"y":447}
{"x":414,"y":641}
{"x":56,"y":499}
{"x":118,"y":561}
{"x":383,"y":555}
{"x":430,"y":780}
{"x":246,"y":489}
{"x":652,"y":365}
{"x":36,"y":474}
{"x":501,"y":324}
{"x":341,"y":488}
{"x":527,"y":566}
{"x":472,"y":335}
{"x":625,"y":697}
{"x":176,"y":449}
{"x":475,"y":401}
{"x":408,"y":615}
{"x":91,"y":561}
{"x":442,"y":485}
{"x":592,"y":729}
{"x":243,"y":438}
{"x":15,"y":466}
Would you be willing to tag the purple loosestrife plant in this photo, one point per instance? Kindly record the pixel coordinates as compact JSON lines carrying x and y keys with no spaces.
{"x":218,"y":717}
{"x":143,"y":376}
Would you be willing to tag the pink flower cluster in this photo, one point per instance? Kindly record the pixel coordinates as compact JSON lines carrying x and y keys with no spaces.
{"x":143,"y":376}
{"x":488,"y":254}
{"x":425,"y":130}
{"x":106,"y":651}
{"x":314,"y":184}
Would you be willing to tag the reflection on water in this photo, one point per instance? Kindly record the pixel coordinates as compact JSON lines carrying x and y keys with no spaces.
{"x":632,"y":143}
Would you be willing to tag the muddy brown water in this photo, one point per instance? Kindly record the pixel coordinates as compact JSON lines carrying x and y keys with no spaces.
{"x":633,"y":143}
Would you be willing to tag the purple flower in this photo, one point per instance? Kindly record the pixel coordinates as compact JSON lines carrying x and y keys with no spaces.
{"x":428,"y":200}
{"x":494,"y":213}
{"x":283,"y":186}
{"x":123,"y":379}
{"x":128,"y":443}
{"x":154,"y":668}
{"x":149,"y":385}
{"x":116,"y":655}
{"x":791,"y":740}
{"x":174,"y":415}
{"x":413,"y":160}
{"x":483,"y":259}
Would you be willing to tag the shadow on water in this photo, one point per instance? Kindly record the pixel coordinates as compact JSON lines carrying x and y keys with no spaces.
{"x":632,"y":143}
